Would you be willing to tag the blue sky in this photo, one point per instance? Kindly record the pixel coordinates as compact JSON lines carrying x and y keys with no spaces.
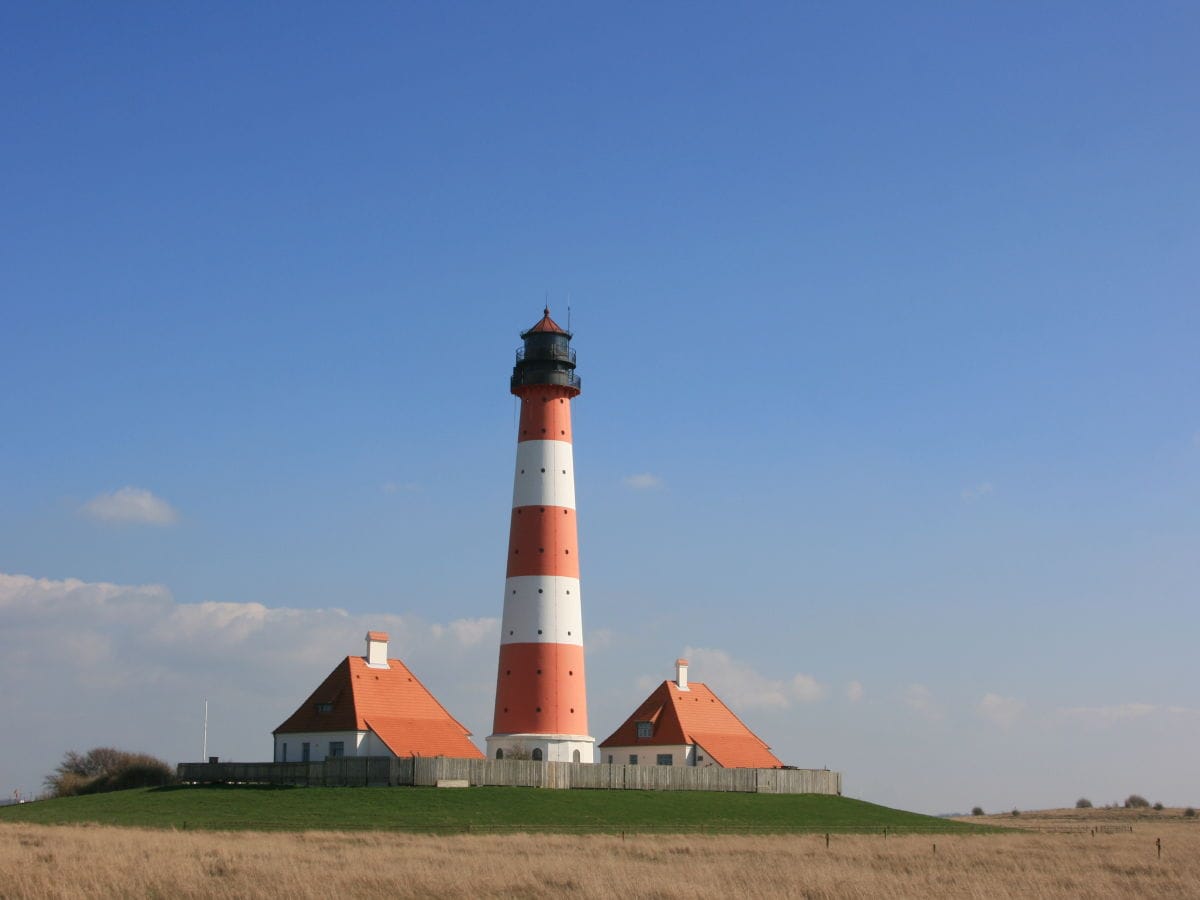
{"x":887,"y":320}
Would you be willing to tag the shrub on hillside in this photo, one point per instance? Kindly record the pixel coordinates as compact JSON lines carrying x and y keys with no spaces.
{"x":977,"y":811}
{"x":1083,"y":803}
{"x":1189,"y":813}
{"x":104,"y":769}
{"x":66,"y":784}
{"x":1136,"y":801}
{"x":1016,"y":812}
{"x":1158,"y":807}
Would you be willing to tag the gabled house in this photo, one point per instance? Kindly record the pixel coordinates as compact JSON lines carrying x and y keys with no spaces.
{"x":371,"y":706}
{"x":682,"y":724}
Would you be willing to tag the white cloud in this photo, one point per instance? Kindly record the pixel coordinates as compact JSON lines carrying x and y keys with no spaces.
{"x":644,"y":481}
{"x":920,"y":699}
{"x":734,"y":681}
{"x":1183,"y":711}
{"x":1002,"y":711}
{"x":741,"y":686}
{"x":468,"y":632}
{"x":978,"y":492}
{"x":854,"y":691}
{"x":1107,"y":715}
{"x":130,"y":504}
{"x":129,"y":666}
{"x":807,"y":689}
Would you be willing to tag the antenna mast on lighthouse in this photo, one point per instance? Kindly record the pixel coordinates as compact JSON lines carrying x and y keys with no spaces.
{"x":541,"y":699}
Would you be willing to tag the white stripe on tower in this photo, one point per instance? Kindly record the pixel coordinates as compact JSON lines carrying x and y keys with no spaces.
{"x":542,"y":608}
{"x":545,"y":474}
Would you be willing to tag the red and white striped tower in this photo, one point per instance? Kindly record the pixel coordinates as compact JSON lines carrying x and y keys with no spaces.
{"x":541,"y":700}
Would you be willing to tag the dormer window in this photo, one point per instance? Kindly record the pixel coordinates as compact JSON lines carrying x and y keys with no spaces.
{"x":324,"y":708}
{"x":645,"y":730}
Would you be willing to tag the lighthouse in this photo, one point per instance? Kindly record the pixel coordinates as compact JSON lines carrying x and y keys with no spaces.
{"x":541,"y":699}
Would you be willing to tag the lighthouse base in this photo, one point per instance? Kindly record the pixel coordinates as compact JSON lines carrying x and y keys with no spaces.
{"x":545,"y":747}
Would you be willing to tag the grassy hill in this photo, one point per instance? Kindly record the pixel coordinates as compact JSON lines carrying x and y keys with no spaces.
{"x":475,"y":809}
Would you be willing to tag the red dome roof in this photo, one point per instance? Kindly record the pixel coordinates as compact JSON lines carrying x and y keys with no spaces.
{"x":547,"y":324}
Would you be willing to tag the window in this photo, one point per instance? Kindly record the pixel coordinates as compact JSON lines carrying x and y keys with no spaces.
{"x":609,"y":757}
{"x":283,"y":752}
{"x":633,"y":759}
{"x":337,"y":748}
{"x":645,"y":729}
{"x":536,"y":755}
{"x":324,"y":708}
{"x":666,"y":759}
{"x":304,"y":752}
{"x":575,"y":756}
{"x":499,"y":753}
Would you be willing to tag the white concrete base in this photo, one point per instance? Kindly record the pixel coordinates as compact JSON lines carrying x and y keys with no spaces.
{"x":553,"y":747}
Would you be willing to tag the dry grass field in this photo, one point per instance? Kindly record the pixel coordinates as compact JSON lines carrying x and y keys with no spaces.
{"x":100,"y":861}
{"x":1104,"y":818}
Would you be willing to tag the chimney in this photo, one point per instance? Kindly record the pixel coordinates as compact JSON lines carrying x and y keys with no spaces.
{"x":377,"y":642}
{"x":681,"y":673}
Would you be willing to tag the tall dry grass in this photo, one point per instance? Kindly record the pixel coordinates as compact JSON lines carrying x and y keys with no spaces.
{"x":1072,"y":819}
{"x":96,"y":861}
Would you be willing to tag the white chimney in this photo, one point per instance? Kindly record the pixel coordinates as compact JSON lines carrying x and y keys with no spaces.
{"x":377,"y":649}
{"x":681,"y":673}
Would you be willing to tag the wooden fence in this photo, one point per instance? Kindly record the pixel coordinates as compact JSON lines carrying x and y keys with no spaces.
{"x":428,"y":771}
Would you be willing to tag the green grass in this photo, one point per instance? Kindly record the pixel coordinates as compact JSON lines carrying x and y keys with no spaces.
{"x":474,"y":809}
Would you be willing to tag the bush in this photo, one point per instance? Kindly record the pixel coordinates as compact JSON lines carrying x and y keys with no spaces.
{"x":977,"y":811}
{"x":1189,"y":813}
{"x":104,"y":769}
{"x":1158,"y":806}
{"x":1016,"y":812}
{"x":1083,"y":803}
{"x":1136,"y":801}
{"x":146,"y":772}
{"x":67,"y":784}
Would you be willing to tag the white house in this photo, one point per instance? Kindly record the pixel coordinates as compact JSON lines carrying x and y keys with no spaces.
{"x":686,"y":724}
{"x":371,"y":706}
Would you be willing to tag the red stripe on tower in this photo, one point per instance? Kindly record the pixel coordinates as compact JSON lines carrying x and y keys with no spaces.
{"x":541,"y":699}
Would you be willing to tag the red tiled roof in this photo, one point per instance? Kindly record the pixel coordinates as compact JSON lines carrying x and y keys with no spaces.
{"x":695,"y":716}
{"x":737,"y":751}
{"x":424,"y":737}
{"x":546,"y":324}
{"x":410,"y":717}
